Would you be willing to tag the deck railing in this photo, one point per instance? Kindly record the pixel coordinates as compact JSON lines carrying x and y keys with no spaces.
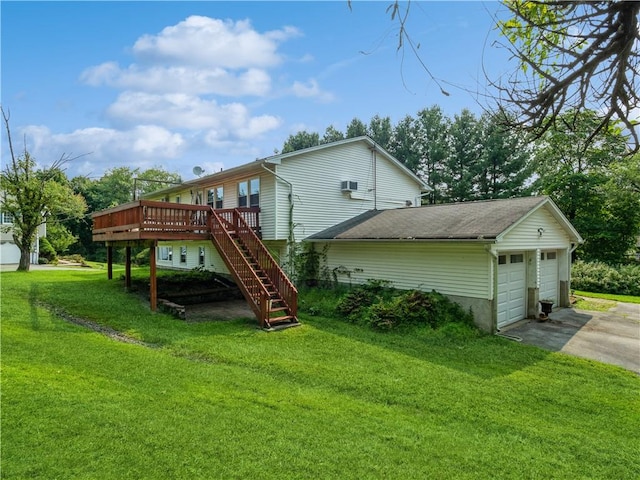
{"x":145,"y":219}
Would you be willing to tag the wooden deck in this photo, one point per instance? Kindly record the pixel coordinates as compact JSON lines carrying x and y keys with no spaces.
{"x":145,"y":220}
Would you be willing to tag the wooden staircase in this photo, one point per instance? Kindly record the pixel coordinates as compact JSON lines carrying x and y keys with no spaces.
{"x":271,"y":295}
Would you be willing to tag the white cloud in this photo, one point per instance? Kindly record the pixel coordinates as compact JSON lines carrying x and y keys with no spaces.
{"x":180,"y":111}
{"x":205,"y":42}
{"x":310,"y":89}
{"x":139,"y":146}
{"x":253,"y":82}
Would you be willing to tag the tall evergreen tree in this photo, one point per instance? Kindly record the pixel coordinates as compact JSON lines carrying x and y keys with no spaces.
{"x":462,"y":166}
{"x":506,"y":160}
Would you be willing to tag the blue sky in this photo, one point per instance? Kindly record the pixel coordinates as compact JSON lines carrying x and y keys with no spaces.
{"x":218,"y":84}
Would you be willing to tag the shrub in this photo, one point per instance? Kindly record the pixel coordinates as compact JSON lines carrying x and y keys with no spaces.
{"x":354,"y":304}
{"x":142,"y":257}
{"x":603,"y":278}
{"x":383,"y":308}
{"x":46,"y":250}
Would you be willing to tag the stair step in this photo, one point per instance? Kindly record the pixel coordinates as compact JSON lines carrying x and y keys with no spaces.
{"x":279,"y":309}
{"x":285,"y":318}
{"x":282,"y":326}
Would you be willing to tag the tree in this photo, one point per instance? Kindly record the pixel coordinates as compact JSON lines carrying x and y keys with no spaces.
{"x":433,"y":142}
{"x":331,"y":134}
{"x":505,"y":164}
{"x":577,"y":170}
{"x":380,"y":131}
{"x":31,"y":195}
{"x":461,"y":167}
{"x":573,"y":56}
{"x":300,"y":141}
{"x":356,"y":128}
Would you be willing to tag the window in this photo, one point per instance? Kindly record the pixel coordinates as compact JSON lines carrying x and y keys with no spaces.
{"x":7,"y":217}
{"x":551,"y":255}
{"x":201,"y":256}
{"x":183,"y":254}
{"x":541,"y":255}
{"x":519,"y":258}
{"x":177,"y":198}
{"x":242,"y":194}
{"x":163,"y":253}
{"x":219,"y":196}
{"x":502,"y":260}
{"x":170,"y":249}
{"x":249,"y":193}
{"x":254,"y":199}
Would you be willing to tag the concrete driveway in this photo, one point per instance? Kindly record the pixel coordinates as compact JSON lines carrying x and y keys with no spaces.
{"x":610,"y":337}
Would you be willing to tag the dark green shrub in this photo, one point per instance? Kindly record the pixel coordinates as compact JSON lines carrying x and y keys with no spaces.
{"x":354,"y":304}
{"x":142,"y":257}
{"x":46,"y":250}
{"x":42,"y":261}
{"x":602,"y":278}
{"x":384,"y":308}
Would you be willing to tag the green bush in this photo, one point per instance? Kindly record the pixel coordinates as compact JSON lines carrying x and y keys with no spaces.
{"x":385,"y":308}
{"x":142,"y":257}
{"x":602,"y":278}
{"x":46,"y":250}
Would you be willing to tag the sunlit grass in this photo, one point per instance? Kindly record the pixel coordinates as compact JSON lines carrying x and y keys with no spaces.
{"x":325,"y":400}
{"x":609,"y":296}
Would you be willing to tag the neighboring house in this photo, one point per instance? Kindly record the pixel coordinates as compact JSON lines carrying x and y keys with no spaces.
{"x":9,"y":251}
{"x":297,"y":194}
{"x":497,"y":257}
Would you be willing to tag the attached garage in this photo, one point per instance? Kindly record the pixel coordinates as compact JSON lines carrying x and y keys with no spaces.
{"x":9,"y":253}
{"x":496,"y":257}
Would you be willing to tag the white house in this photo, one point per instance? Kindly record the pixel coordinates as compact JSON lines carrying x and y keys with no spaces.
{"x":9,"y":251}
{"x":497,"y":257}
{"x":298,"y":194}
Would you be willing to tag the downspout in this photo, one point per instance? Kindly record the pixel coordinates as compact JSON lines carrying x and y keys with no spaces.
{"x":494,"y":288}
{"x":374,"y":159}
{"x":291,"y":238}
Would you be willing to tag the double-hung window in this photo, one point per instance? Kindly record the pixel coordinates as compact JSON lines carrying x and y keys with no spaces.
{"x":249,"y":193}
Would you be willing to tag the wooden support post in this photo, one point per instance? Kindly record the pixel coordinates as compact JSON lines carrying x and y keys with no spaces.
{"x":127,"y":269}
{"x":153,"y":294}
{"x":110,"y":262}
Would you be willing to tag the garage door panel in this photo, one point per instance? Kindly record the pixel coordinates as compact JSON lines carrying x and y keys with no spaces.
{"x":511,"y":288}
{"x":549,"y":276}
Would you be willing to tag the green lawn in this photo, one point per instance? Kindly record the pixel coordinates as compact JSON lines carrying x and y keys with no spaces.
{"x":609,"y":296}
{"x":325,"y":400}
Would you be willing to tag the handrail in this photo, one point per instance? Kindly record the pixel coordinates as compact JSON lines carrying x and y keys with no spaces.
{"x":285,"y":287}
{"x":250,"y":285}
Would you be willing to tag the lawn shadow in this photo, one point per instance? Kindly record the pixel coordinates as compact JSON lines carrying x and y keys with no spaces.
{"x":482,"y":355}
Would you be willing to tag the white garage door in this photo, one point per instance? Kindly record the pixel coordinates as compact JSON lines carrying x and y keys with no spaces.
{"x":9,"y":253}
{"x":511,"y":288}
{"x":549,"y":276}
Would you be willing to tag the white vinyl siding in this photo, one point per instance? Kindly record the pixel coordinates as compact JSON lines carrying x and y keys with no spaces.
{"x":213,"y":261}
{"x":451,"y":269}
{"x":526,"y":235}
{"x":317,"y":178}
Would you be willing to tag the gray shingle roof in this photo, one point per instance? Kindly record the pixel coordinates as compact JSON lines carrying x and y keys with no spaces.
{"x":454,"y":221}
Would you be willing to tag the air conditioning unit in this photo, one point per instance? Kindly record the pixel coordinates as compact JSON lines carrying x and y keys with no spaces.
{"x":348,"y":186}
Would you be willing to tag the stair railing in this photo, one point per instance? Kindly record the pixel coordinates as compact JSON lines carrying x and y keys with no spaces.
{"x":281,"y":282}
{"x":251,"y":286}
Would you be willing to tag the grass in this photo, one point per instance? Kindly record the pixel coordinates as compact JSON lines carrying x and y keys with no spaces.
{"x":594,"y":304}
{"x":609,"y":296}
{"x":325,"y":400}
